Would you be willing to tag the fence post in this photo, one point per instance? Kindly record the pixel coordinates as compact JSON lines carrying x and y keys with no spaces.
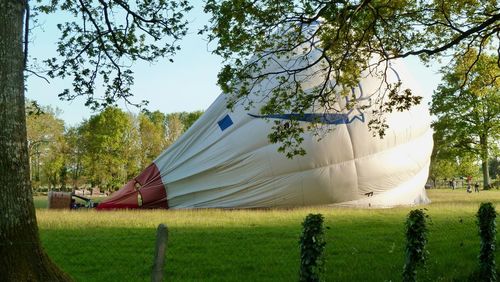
{"x":160,"y":251}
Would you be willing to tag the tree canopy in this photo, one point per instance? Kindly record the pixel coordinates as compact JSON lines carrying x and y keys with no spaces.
{"x":45,"y":134}
{"x":468,"y":114}
{"x":354,"y":37}
{"x":105,"y":37}
{"x":104,"y":151}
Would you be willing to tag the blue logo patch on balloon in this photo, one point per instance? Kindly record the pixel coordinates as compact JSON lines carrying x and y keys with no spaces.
{"x":225,"y":122}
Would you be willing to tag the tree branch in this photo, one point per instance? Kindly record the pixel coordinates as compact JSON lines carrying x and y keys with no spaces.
{"x":453,"y":42}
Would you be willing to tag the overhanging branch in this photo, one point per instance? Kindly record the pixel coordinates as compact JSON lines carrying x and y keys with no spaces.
{"x":456,"y":40}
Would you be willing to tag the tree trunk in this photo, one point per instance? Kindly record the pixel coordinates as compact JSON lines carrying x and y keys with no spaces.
{"x":483,"y":140}
{"x":21,"y":255}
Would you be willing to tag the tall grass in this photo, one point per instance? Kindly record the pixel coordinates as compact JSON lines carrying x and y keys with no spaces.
{"x":262,"y":245}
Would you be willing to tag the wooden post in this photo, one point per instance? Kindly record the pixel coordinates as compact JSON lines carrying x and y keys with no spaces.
{"x":160,"y":251}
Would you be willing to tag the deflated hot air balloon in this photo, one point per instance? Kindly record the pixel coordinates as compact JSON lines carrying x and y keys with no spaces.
{"x":225,"y":159}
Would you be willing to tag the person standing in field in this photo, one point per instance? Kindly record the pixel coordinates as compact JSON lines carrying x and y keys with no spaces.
{"x":476,"y":187}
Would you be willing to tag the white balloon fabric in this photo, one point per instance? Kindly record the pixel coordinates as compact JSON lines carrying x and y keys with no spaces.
{"x":225,"y":159}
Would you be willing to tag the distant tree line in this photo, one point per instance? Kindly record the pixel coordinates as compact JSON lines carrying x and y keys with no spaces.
{"x":104,"y":151}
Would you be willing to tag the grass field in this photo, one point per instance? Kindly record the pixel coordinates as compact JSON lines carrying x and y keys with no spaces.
{"x":261,"y":245}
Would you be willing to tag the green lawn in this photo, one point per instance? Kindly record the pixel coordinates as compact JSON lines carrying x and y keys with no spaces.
{"x":261,"y":245}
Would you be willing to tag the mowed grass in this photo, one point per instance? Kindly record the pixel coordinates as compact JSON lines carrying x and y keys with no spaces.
{"x":262,"y":245}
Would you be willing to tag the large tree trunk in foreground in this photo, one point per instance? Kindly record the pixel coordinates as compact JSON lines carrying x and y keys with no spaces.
{"x":21,"y":255}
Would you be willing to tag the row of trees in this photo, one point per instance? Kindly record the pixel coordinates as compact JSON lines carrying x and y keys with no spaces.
{"x":443,"y":170}
{"x":104,"y":151}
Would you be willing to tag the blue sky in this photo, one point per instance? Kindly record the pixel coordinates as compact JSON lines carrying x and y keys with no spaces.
{"x":188,"y":84}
